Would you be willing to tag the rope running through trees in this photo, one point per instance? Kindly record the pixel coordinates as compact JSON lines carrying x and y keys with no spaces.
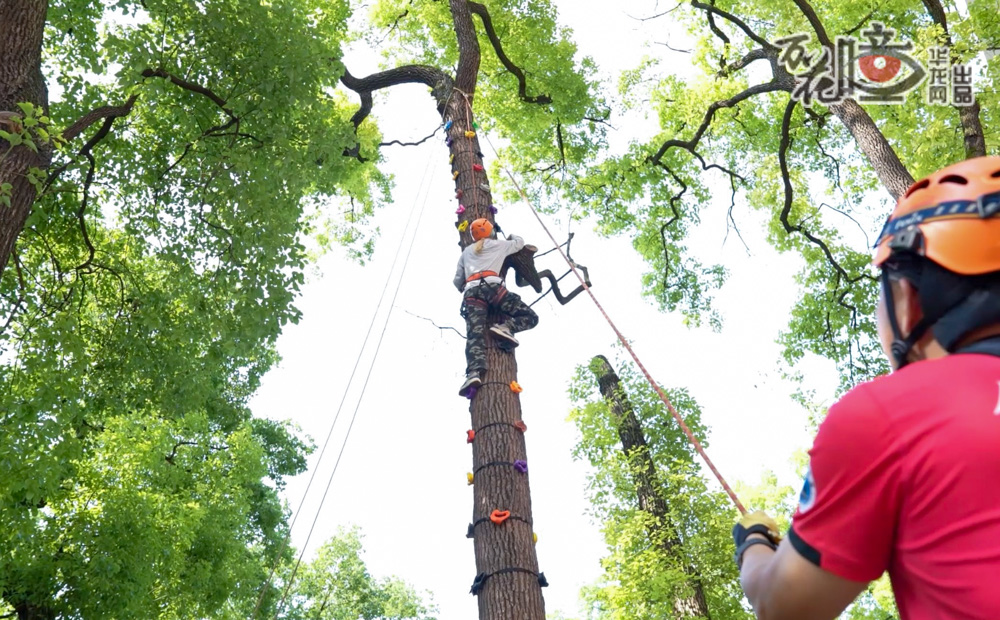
{"x":350,"y":382}
{"x":659,"y":391}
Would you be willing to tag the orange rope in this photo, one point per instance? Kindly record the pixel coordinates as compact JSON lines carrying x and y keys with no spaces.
{"x":684,"y":427}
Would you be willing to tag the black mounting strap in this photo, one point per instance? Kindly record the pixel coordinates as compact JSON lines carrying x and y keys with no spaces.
{"x":491,"y":464}
{"x":474,"y":525}
{"x":486,"y":426}
{"x":480,"y":581}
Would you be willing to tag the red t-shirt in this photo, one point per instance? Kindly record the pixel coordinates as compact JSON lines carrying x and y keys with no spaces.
{"x":905,"y":477}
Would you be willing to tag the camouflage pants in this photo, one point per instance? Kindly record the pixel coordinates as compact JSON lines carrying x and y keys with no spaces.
{"x":476,"y":305}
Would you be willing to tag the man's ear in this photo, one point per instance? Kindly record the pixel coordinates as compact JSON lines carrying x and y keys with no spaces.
{"x":907,"y":304}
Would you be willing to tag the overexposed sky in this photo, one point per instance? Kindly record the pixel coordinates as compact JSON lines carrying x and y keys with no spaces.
{"x":402,"y":474}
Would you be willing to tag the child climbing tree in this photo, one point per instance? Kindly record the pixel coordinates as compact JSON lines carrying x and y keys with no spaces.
{"x":508,"y":581}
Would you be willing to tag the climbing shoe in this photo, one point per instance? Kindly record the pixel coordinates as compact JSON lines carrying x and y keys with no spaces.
{"x":506,"y":338}
{"x":471,"y":381}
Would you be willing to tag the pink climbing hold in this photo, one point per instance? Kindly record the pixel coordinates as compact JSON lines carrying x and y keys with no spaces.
{"x":460,"y":210}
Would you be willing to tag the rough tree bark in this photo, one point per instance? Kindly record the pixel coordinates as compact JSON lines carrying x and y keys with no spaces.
{"x":505,"y":552}
{"x":649,"y":493}
{"x":517,"y":594}
{"x":22,"y":24}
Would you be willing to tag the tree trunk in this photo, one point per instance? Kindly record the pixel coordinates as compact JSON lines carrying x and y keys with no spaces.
{"x":515,"y":592}
{"x":647,"y":484}
{"x":891,"y":172}
{"x":26,"y":611}
{"x":512,"y":594}
{"x":22,"y":24}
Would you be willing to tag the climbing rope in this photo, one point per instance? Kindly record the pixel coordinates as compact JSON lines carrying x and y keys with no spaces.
{"x":659,"y":391}
{"x":291,"y":579}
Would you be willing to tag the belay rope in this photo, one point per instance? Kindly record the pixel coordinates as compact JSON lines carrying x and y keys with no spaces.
{"x":659,"y":391}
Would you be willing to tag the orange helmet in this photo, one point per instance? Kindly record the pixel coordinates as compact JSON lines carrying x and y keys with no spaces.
{"x":481,"y":228}
{"x":950,"y":217}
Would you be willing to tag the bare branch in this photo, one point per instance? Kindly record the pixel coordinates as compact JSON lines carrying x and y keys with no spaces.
{"x":513,"y":69}
{"x":815,"y":22}
{"x":97,"y":114}
{"x":190,"y":86}
{"x":431,"y":321}
{"x":397,"y":142}
{"x":736,"y":21}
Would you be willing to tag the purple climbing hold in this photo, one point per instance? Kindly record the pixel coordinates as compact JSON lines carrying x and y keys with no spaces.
{"x":494,"y":210}
{"x":471,"y":392}
{"x":521,"y":466}
{"x":448,"y":142}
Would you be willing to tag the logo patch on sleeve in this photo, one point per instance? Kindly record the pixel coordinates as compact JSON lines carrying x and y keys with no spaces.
{"x":807,"y":498}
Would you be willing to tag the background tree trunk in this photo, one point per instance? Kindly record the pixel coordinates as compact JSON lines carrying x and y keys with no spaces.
{"x":22,"y":24}
{"x":647,"y":484}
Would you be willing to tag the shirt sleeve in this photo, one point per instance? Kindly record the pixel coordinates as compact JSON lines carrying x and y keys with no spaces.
{"x":846,"y":519}
{"x":514,"y":244}
{"x":459,"y":279}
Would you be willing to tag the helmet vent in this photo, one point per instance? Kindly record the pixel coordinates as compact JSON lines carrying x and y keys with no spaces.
{"x":954,"y":178}
{"x":917,"y":187}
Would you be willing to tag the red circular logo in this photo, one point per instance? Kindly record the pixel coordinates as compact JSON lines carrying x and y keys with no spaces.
{"x":879,"y":68}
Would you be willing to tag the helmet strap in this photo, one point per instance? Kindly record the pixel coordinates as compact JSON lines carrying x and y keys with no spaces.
{"x":901,"y":345}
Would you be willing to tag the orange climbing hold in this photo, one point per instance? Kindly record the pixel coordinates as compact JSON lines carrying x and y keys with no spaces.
{"x":471,"y":437}
{"x":516,"y":387}
{"x":521,"y":426}
{"x":499,"y":516}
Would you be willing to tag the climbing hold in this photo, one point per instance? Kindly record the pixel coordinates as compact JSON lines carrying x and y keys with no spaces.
{"x":534,"y":538}
{"x":448,"y":142}
{"x":455,"y":176}
{"x":447,"y":125}
{"x":516,"y":387}
{"x":542,"y":581}
{"x":458,"y":194}
{"x":485,"y":187}
{"x":499,"y":516}
{"x":477,"y":585}
{"x":471,"y":533}
{"x":451,"y":158}
{"x":471,"y":478}
{"x":471,"y":392}
{"x":494,"y":209}
{"x":460,"y":210}
{"x":470,"y":134}
{"x":480,"y":155}
{"x":463,"y":227}
{"x":471,"y":437}
{"x":475,"y":125}
{"x":521,"y":426}
{"x":478,"y":167}
{"x":521,"y":466}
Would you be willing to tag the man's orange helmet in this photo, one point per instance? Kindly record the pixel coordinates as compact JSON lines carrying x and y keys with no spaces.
{"x":951,"y":217}
{"x":482,"y":228}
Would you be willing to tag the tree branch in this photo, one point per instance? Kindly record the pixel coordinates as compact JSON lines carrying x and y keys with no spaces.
{"x":513,"y":69}
{"x":431,"y":321}
{"x":736,"y":21}
{"x":190,"y":86}
{"x":972,"y":127}
{"x":815,"y":22}
{"x":88,"y":119}
{"x":441,"y":85}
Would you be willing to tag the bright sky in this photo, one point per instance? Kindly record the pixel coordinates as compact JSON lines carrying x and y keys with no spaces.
{"x":402,"y":474}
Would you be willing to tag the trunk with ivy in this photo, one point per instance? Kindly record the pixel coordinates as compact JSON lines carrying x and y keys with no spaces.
{"x":650,"y":495}
{"x":22,"y":25}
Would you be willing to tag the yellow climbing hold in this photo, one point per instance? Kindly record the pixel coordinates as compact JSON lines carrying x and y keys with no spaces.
{"x":534,"y":537}
{"x":455,"y":176}
{"x":451,"y":159}
{"x":470,"y":134}
{"x":516,"y":387}
{"x":464,"y":226}
{"x":470,"y":478}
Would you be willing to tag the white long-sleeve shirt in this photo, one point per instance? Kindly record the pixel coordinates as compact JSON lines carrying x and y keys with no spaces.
{"x":490,"y":259}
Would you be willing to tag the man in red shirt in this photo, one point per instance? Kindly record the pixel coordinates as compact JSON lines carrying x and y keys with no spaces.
{"x":904,"y":473}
